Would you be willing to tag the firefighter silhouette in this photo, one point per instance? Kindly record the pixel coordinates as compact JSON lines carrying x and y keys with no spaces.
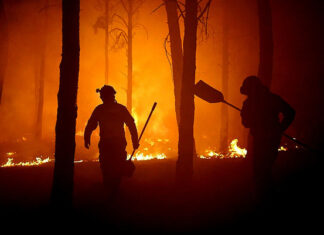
{"x":111,"y":117}
{"x":268,"y":116}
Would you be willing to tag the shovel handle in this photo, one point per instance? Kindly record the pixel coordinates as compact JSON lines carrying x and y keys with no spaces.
{"x":148,"y":119}
{"x":233,"y":106}
{"x":284,"y":134}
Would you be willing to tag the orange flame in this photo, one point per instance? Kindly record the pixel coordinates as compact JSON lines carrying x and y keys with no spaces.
{"x":233,"y":152}
{"x":144,"y":157}
{"x":36,"y":162}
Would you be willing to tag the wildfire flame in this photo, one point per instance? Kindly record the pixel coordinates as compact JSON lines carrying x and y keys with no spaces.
{"x":36,"y":162}
{"x":144,"y":157}
{"x":234,"y":151}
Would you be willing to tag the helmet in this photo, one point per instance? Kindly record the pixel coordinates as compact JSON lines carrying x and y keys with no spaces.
{"x":106,"y":90}
{"x":250,"y":84}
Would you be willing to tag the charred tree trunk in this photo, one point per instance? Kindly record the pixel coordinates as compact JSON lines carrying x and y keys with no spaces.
{"x":130,"y":57}
{"x":62,"y":190}
{"x":225,"y":77}
{"x":266,"y":42}
{"x":106,"y":40}
{"x":3,"y":46}
{"x":176,"y":51}
{"x":187,"y":106}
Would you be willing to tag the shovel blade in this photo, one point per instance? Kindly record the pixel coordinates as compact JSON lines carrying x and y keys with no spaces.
{"x":208,"y":93}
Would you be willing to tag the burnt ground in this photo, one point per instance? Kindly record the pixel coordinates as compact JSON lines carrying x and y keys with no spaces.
{"x":221,"y":197}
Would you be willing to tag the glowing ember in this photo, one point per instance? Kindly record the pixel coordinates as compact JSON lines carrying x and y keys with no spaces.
{"x":10,"y":153}
{"x":233,"y":152}
{"x":282,"y":148}
{"x":37,"y":162}
{"x":144,"y":157}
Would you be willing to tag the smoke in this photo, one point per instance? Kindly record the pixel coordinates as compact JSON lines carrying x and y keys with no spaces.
{"x":152,"y":76}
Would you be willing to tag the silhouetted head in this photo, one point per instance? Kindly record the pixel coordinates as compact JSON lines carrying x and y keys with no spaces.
{"x":107,"y":94}
{"x":251,"y":85}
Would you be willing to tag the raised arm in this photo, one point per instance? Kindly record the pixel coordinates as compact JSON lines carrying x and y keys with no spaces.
{"x":288,"y":114}
{"x":91,"y":126}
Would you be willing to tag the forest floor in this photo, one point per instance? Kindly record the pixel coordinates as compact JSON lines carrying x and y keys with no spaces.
{"x":221,"y":197}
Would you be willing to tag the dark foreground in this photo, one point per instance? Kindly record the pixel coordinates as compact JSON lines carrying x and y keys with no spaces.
{"x":221,"y":197}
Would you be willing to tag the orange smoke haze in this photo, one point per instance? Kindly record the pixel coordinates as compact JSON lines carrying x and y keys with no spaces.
{"x":152,"y":76}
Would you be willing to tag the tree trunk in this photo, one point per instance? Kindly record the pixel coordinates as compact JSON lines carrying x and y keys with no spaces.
{"x":130,"y":57}
{"x":106,"y":40}
{"x":187,"y":106}
{"x":62,"y":190}
{"x":225,"y":77}
{"x":40,"y":77}
{"x":266,"y":42}
{"x":3,"y":46}
{"x":176,"y":51}
{"x":40,"y":97}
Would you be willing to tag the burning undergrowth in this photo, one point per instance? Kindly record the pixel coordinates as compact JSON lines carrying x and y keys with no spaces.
{"x":150,"y":149}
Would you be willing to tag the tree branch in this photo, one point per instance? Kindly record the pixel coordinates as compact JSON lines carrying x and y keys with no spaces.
{"x":162,"y":4}
{"x":121,"y":18}
{"x":124,"y":5}
{"x":205,"y":9}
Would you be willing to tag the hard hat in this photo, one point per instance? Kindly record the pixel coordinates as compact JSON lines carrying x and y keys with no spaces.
{"x":251,"y":83}
{"x":109,"y":90}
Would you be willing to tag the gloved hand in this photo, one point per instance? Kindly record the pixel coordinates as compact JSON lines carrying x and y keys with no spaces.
{"x":87,"y":143}
{"x":135,"y":144}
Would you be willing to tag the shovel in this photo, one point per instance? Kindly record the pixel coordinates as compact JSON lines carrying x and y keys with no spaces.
{"x":211,"y":95}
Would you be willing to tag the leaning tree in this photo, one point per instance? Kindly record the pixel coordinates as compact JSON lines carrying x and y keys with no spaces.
{"x":62,"y":190}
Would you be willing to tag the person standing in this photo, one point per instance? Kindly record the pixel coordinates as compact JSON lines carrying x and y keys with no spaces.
{"x":111,"y":117}
{"x":267,"y":116}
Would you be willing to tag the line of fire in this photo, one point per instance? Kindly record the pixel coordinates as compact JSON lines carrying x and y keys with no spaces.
{"x":161,"y":115}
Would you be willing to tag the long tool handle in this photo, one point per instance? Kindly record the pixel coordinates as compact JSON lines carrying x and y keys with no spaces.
{"x":233,"y":106}
{"x":148,"y":119}
{"x":284,"y":134}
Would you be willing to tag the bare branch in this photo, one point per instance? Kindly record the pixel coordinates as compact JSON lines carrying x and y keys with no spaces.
{"x":205,"y":9}
{"x":181,"y":3}
{"x":162,"y":4}
{"x":181,"y":11}
{"x":166,"y":49}
{"x":124,"y":5}
{"x":121,"y":18}
{"x":118,"y":30}
{"x":143,"y":27}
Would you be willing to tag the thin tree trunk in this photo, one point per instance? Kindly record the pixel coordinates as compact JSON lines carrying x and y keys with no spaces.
{"x":130,"y":57}
{"x":176,"y":51}
{"x":3,"y":46}
{"x":40,"y":77}
{"x":187,"y":106}
{"x":266,"y":42}
{"x":40,"y":98}
{"x":106,"y":40}
{"x":62,"y":190}
{"x":225,"y":77}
